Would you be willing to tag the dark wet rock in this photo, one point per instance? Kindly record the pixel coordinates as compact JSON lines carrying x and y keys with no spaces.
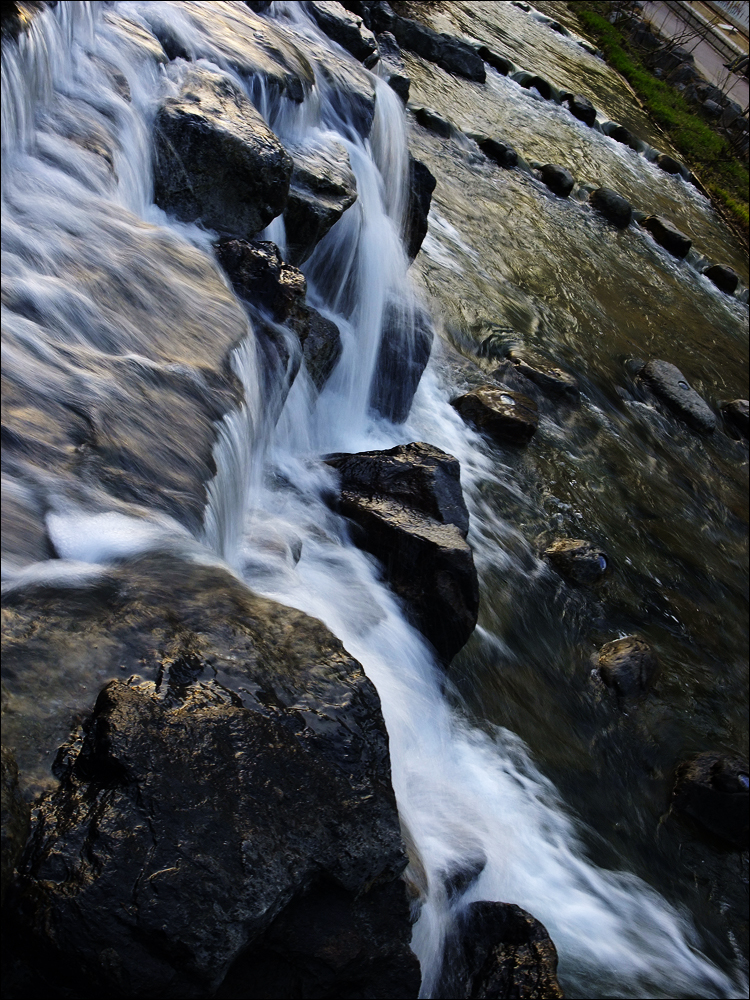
{"x":508,"y":417}
{"x":16,"y":818}
{"x":628,"y":665}
{"x":458,"y":878}
{"x":450,"y":53}
{"x":499,"y":950}
{"x":216,"y":160}
{"x":613,"y":206}
{"x":408,"y":507}
{"x":344,"y":27}
{"x":581,"y":108}
{"x":552,"y":381}
{"x":668,"y":164}
{"x":194,"y":809}
{"x":18,"y":17}
{"x":498,"y":62}
{"x":501,"y":153}
{"x":321,"y":348}
{"x":736,"y":415}
{"x":378,"y":16}
{"x":671,"y":386}
{"x":578,"y":560}
{"x":712,"y":790}
{"x":667,"y":235}
{"x":264,"y":280}
{"x":542,"y":86}
{"x":623,"y":135}
{"x":558,"y":179}
{"x":434,"y":122}
{"x":322,"y":187}
{"x":723,"y":277}
{"x":259,"y":6}
{"x":421,"y":185}
{"x":392,"y":67}
{"x":405,"y":346}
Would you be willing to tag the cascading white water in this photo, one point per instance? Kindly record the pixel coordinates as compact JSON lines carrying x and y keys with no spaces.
{"x":464,"y":795}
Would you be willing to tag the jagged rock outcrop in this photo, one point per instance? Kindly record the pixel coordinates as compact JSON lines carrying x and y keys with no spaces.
{"x":713,"y":791}
{"x":216,"y":160}
{"x":408,"y":507}
{"x":322,"y":187}
{"x":421,"y":185}
{"x":670,"y":385}
{"x":499,"y":950}
{"x":508,"y":417}
{"x":198,"y":808}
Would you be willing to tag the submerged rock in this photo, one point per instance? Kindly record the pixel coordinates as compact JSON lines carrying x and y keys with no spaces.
{"x":613,"y":206}
{"x":405,"y":346}
{"x":322,"y":187}
{"x":581,"y":108}
{"x":736,"y":415}
{"x":421,"y":185}
{"x":667,"y":235}
{"x":194,"y":812}
{"x":723,"y":277}
{"x":628,"y":665}
{"x":712,"y":790}
{"x":499,"y":950}
{"x":216,"y":160}
{"x":344,"y":27}
{"x":391,"y":66}
{"x":578,"y":560}
{"x":558,"y":179}
{"x":408,"y":506}
{"x":16,"y":817}
{"x":671,"y":386}
{"x":508,"y":417}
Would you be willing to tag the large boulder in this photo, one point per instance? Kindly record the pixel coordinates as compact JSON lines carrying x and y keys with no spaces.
{"x":16,"y":817}
{"x":216,"y":160}
{"x":508,"y":417}
{"x":578,"y":560}
{"x":671,"y":386}
{"x":498,"y":950}
{"x":198,"y":808}
{"x":559,"y":180}
{"x":450,"y":53}
{"x":613,"y":206}
{"x":628,"y":665}
{"x":667,"y":235}
{"x":405,"y":345}
{"x":322,"y":187}
{"x":712,"y":790}
{"x":421,"y":185}
{"x":391,"y":66}
{"x":344,"y":27}
{"x":724,"y":277}
{"x":408,"y":507}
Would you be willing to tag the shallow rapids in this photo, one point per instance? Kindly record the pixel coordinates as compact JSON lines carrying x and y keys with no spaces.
{"x":96,"y":272}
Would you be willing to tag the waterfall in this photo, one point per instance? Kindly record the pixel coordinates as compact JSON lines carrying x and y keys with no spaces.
{"x":465,"y":794}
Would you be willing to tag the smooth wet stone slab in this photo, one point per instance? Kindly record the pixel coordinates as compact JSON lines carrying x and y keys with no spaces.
{"x":712,"y":790}
{"x":578,"y":560}
{"x":612,"y":206}
{"x":508,"y":417}
{"x":736,"y":414}
{"x":628,"y":665}
{"x":667,"y":235}
{"x":671,"y":386}
{"x":559,"y":180}
{"x":215,"y":159}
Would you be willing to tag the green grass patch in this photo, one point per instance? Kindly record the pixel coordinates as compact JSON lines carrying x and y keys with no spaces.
{"x":706,"y":152}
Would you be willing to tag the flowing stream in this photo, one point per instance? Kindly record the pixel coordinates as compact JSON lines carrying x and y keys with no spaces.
{"x":515,"y":764}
